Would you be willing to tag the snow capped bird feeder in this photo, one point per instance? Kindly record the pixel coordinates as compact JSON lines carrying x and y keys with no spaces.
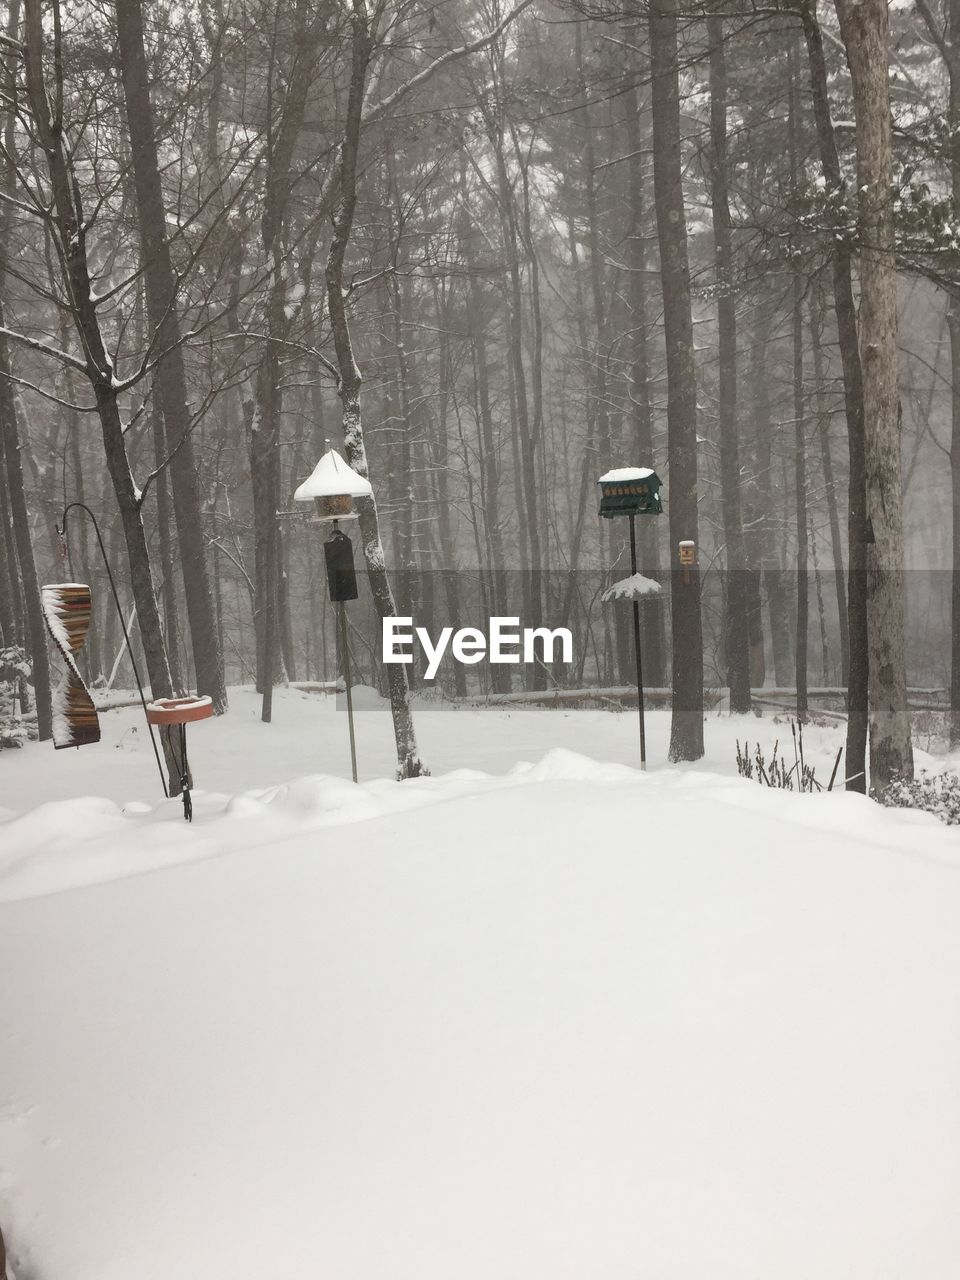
{"x":630,"y":491}
{"x":332,"y":488}
{"x":688,"y":558}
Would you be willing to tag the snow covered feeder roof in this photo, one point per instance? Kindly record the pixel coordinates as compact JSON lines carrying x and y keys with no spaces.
{"x":333,"y":478}
{"x":332,"y":488}
{"x":630,"y":491}
{"x":625,"y":473}
{"x":636,"y":587}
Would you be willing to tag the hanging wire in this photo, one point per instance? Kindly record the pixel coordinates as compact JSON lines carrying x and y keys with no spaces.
{"x":62,"y":532}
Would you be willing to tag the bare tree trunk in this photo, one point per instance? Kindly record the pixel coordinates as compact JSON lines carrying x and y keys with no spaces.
{"x":865,"y":30}
{"x":10,"y":445}
{"x":288,"y":657}
{"x":736,"y":619}
{"x":171,"y":384}
{"x":71,"y":232}
{"x":9,"y":632}
{"x":409,"y":764}
{"x":91,"y":654}
{"x":686,"y":730}
{"x":652,"y":614}
{"x":611,"y":538}
{"x":800,"y":495}
{"x":263,"y":418}
{"x":440,"y":458}
{"x":168,"y":589}
{"x":856,"y":745}
{"x":486,"y":436}
{"x":952,"y":50}
{"x":402,"y":435}
{"x":20,"y":546}
{"x":799,"y":435}
{"x":526,"y":477}
{"x":826,"y":460}
{"x":753,"y":495}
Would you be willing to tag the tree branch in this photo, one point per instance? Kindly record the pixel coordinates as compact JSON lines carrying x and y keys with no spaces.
{"x":35,"y":344}
{"x":387,"y":104}
{"x":936,"y":35}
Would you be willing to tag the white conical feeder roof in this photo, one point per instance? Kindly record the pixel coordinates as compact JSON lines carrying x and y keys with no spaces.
{"x":332,"y":477}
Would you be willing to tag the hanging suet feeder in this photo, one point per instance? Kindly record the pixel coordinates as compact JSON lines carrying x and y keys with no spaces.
{"x":341,"y":575}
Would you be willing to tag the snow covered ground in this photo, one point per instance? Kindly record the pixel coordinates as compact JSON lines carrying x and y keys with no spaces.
{"x":552,"y":1019}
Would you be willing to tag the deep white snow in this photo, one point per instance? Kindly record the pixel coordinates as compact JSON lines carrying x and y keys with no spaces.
{"x":553,"y":1020}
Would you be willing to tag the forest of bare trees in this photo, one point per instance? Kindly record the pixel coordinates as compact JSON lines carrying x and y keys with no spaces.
{"x":488,"y":252}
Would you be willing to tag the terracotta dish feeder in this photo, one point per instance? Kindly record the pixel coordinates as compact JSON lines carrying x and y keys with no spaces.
{"x":179,"y":710}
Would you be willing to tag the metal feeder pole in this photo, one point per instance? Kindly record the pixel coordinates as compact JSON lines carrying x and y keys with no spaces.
{"x":636,"y":644}
{"x":346,"y":679}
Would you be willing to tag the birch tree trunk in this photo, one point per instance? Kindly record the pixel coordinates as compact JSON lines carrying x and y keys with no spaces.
{"x":864,"y":26}
{"x":409,"y":764}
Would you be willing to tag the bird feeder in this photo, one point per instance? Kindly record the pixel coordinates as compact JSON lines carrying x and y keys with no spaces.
{"x":341,"y":575}
{"x":332,"y":488}
{"x":688,"y":558}
{"x":630,"y":491}
{"x":67,"y":609}
{"x":179,"y":712}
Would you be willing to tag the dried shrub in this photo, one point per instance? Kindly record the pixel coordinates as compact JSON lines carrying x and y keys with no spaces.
{"x":933,"y":793}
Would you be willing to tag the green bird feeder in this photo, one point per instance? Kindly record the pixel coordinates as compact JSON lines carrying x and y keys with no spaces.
{"x":630,"y":491}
